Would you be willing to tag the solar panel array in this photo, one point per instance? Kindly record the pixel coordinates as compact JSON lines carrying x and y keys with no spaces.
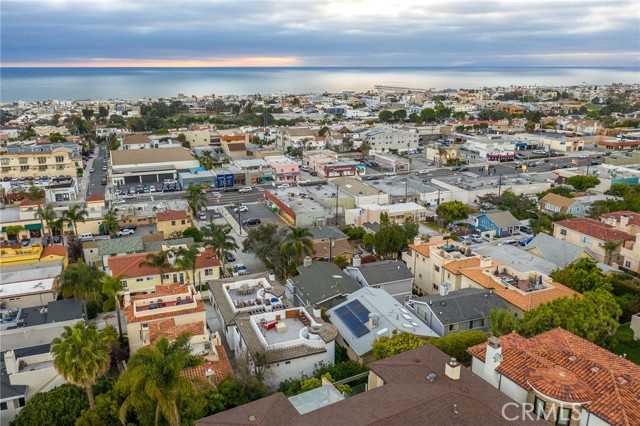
{"x":354,"y":315}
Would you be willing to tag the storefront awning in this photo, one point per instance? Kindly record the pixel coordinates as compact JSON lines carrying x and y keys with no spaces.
{"x":33,"y":227}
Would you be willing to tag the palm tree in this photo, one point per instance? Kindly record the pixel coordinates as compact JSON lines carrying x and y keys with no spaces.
{"x":220,"y":239}
{"x":298,"y":243}
{"x":609,"y":248}
{"x":79,"y":280}
{"x":154,"y":374}
{"x":195,"y":199}
{"x":74,"y":215}
{"x":36,"y":193}
{"x":81,"y":354}
{"x":186,"y":261}
{"x":159,"y":261}
{"x":47,"y":215}
{"x":111,"y":286}
{"x":110,"y":222}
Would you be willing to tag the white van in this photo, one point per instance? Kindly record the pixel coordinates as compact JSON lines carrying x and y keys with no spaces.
{"x":86,"y":237}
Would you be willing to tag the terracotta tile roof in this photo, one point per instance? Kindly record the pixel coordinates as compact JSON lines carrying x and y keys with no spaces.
{"x":236,"y":147}
{"x":232,"y":138}
{"x":423,"y":248}
{"x":221,"y":368}
{"x":593,"y":228}
{"x":171,"y":215}
{"x":613,"y":380}
{"x":129,"y":265}
{"x":94,"y":198}
{"x":634,"y":218}
{"x":523,"y":300}
{"x":54,"y":250}
{"x":169,"y":329}
{"x":162,"y":290}
{"x":458,"y":265}
{"x":559,"y":383}
{"x":207,"y":259}
{"x":30,"y":202}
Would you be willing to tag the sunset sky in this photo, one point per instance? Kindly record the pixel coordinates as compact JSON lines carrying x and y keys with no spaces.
{"x":199,"y":33}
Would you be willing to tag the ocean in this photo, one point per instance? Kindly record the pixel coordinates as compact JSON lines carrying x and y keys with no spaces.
{"x":40,"y":84}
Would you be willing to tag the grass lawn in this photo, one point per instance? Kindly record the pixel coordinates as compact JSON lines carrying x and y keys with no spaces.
{"x":435,"y":227}
{"x":626,"y":344}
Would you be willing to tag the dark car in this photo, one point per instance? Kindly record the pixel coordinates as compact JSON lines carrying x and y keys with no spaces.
{"x":25,"y":242}
{"x":57,"y":239}
{"x":229,"y":257}
{"x":252,"y":222}
{"x":461,"y":169}
{"x":231,"y":189}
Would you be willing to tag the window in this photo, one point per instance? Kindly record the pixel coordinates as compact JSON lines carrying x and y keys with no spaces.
{"x":6,"y":169}
{"x":24,"y":168}
{"x":585,"y":240}
{"x":3,"y":406}
{"x":627,"y":264}
{"x":208,"y":272}
{"x":124,"y":284}
{"x":149,"y":278}
{"x":173,"y":222}
{"x":453,"y":327}
{"x":24,"y":160}
{"x":436,"y":287}
{"x":183,"y":221}
{"x":539,"y":406}
{"x":42,"y":168}
{"x":13,"y":299}
{"x":563,"y":232}
{"x":138,"y":280}
{"x":21,"y":402}
{"x":563,"y":417}
{"x":436,"y":268}
{"x":4,"y":161}
{"x":166,"y":276}
{"x":59,"y":159}
{"x":42,"y":160}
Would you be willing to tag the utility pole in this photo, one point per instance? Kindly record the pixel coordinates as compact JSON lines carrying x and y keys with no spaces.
{"x":406,"y":189}
{"x":239,"y":214}
{"x":337,"y":198}
{"x":499,"y":185}
{"x":438,"y":201}
{"x":330,"y":248}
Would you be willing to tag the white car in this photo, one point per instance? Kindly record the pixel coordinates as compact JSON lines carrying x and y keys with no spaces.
{"x":118,"y":201}
{"x":284,"y":186}
{"x":240,"y":209}
{"x":302,"y":182}
{"x":584,"y":156}
{"x":239,"y":269}
{"x":216,"y":194}
{"x":390,"y":173}
{"x":152,"y":188}
{"x":245,"y":189}
{"x":91,"y":170}
{"x":422,"y":172}
{"x":202,"y":216}
{"x":125,"y":231}
{"x":129,"y":196}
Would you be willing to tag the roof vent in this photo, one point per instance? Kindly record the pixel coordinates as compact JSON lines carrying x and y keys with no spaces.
{"x":595,"y":369}
{"x":572,"y":358}
{"x":432,"y":377}
{"x":621,"y":380}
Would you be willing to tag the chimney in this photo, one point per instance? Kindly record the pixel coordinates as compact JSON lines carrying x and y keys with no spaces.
{"x":417,"y":240}
{"x":356,"y":261}
{"x":10,"y":362}
{"x":307,"y":262}
{"x":444,"y":289}
{"x":144,"y":334}
{"x":624,"y":220}
{"x":452,"y":369}
{"x":317,"y":312}
{"x":493,"y":358}
{"x":373,"y":321}
{"x":485,"y":262}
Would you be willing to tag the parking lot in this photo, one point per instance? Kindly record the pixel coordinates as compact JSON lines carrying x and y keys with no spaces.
{"x":255,"y":211}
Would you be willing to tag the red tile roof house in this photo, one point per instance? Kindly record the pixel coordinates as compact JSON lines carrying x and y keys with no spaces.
{"x":563,"y":376}
{"x":173,"y":222}
{"x":594,"y":235}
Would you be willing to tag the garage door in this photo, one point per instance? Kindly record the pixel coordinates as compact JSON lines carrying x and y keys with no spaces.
{"x":131,"y":179}
{"x":149,"y":178}
{"x":163,"y":176}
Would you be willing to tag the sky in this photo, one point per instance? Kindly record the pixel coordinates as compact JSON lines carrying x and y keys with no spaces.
{"x":377,"y":33}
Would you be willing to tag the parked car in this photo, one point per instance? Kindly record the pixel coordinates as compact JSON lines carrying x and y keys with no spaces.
{"x":202,"y":216}
{"x":283,"y":186}
{"x":523,"y":242}
{"x":583,"y":155}
{"x":152,"y":188}
{"x":508,"y":242}
{"x":57,"y":239}
{"x":91,"y":170}
{"x":304,"y":181}
{"x":118,"y":201}
{"x":229,"y":257}
{"x":313,"y":173}
{"x":240,"y":209}
{"x":245,"y":189}
{"x":476,"y":238}
{"x":252,"y":222}
{"x":130,"y":226}
{"x":390,"y":173}
{"x":460,"y":169}
{"x":25,"y":242}
{"x":239,"y":269}
{"x":129,"y":196}
{"x":125,"y":231}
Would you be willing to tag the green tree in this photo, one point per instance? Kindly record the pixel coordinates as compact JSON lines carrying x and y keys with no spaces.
{"x":194,"y":233}
{"x":154,"y":374}
{"x":415,"y":118}
{"x":60,"y":406}
{"x":609,"y":247}
{"x":74,"y":215}
{"x":400,"y":114}
{"x":80,"y":281}
{"x":390,"y":240}
{"x":563,"y":190}
{"x":456,"y":344}
{"x":81,"y":355}
{"x":442,"y":112}
{"x":220,"y":239}
{"x":429,"y":115}
{"x":592,"y":317}
{"x":110,"y":223}
{"x":159,"y":261}
{"x":385,"y":116}
{"x":87,"y":113}
{"x":583,"y":275}
{"x":186,"y":261}
{"x":111,"y":287}
{"x":298,"y":243}
{"x":265,"y":241}
{"x":386,"y":346}
{"x":501,"y":322}
{"x":196,"y":200}
{"x":519,"y":205}
{"x":529,"y":126}
{"x":451,"y":211}
{"x":582,"y":182}
{"x":14,"y":231}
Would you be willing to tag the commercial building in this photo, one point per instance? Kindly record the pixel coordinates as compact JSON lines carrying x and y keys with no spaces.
{"x":32,"y":284}
{"x":397,"y":213}
{"x":284,"y":169}
{"x":363,"y":193}
{"x":386,"y":140}
{"x":298,"y":208}
{"x":572,"y":383}
{"x":392,"y":162}
{"x":150,"y":165}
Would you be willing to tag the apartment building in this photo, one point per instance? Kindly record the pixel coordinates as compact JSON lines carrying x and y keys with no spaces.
{"x":52,"y":163}
{"x":386,"y":139}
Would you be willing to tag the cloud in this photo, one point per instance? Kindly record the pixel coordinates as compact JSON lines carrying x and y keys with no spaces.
{"x":315,"y":33}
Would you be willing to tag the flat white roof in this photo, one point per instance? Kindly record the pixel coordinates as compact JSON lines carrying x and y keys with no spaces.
{"x":395,"y":208}
{"x":26,"y":287}
{"x":31,"y":271}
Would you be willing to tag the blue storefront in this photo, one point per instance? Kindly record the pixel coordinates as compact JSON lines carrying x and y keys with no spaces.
{"x":224,"y":180}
